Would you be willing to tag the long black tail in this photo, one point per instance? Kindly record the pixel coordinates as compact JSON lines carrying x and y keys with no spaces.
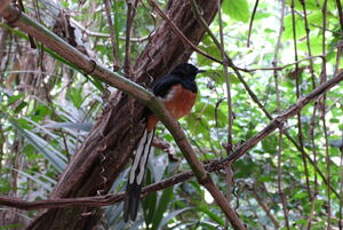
{"x":134,"y":185}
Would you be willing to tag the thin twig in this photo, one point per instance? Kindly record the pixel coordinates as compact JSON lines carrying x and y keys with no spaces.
{"x":327,"y":161}
{"x":323,"y":78}
{"x":279,"y":68}
{"x":166,"y":147}
{"x":105,"y":35}
{"x":227,"y":79}
{"x":326,"y":29}
{"x":264,"y":206}
{"x":340,"y":13}
{"x":22,"y":8}
{"x":131,"y":12}
{"x":314,"y":151}
{"x":229,"y":174}
{"x":338,"y":57}
{"x":282,"y":195}
{"x":340,"y":224}
{"x":177,"y":31}
{"x":116,"y":62}
{"x":308,"y":43}
{"x":252,"y":21}
{"x":298,"y":94}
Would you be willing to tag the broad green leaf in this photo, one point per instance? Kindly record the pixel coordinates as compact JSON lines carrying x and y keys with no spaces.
{"x":164,"y":200}
{"x":57,"y":159}
{"x":82,"y":126}
{"x":14,"y":98}
{"x":149,"y":202}
{"x":269,"y":144}
{"x":299,"y":27}
{"x":5,"y":185}
{"x":75,"y":95}
{"x":213,"y":216}
{"x":19,"y":108}
{"x":237,"y":9}
{"x":39,"y":112}
{"x":11,"y":226}
{"x":315,"y":18}
{"x":208,"y":225}
{"x":172,"y":215}
{"x":47,"y":186}
{"x":315,"y":45}
{"x":261,"y":15}
{"x":309,"y":4}
{"x":208,"y":46}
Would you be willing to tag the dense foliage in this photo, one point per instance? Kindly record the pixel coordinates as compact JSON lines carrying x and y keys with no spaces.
{"x":47,"y":107}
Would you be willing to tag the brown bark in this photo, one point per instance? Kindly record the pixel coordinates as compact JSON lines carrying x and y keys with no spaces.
{"x":113,"y":137}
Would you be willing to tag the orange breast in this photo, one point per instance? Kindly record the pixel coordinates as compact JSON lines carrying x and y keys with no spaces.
{"x":179,"y":103}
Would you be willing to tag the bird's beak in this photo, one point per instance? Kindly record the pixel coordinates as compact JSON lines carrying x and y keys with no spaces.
{"x":201,"y":71}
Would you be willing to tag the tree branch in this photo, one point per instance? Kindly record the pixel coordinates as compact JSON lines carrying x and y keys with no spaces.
{"x":210,"y":167}
{"x":114,"y":42}
{"x":177,"y":31}
{"x":81,"y":61}
{"x":4,"y":5}
{"x":28,"y":25}
{"x":91,"y":67}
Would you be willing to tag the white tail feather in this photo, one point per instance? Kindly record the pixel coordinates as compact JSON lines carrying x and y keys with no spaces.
{"x":141,"y":157}
{"x":138,"y":154}
{"x":136,"y":176}
{"x":144,"y":158}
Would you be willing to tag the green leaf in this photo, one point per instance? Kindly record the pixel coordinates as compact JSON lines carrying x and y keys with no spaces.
{"x":208,"y":225}
{"x":18,"y":108}
{"x":315,"y":42}
{"x":315,"y":18}
{"x":40,"y":112}
{"x":172,"y":215}
{"x":75,"y":95}
{"x":162,"y":207}
{"x":299,"y":27}
{"x":309,"y":4}
{"x":213,"y":216}
{"x":5,"y":185}
{"x":11,"y":226}
{"x":57,"y":159}
{"x":261,"y":15}
{"x":13,"y":99}
{"x":269,"y":144}
{"x":208,"y":46}
{"x":44,"y":184}
{"x":237,"y":9}
{"x":149,"y":202}
{"x":96,"y":82}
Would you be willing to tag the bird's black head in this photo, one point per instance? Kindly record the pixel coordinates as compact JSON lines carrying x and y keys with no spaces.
{"x":186,"y":70}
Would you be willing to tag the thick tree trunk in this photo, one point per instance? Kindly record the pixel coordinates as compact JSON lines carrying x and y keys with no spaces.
{"x":114,"y":135}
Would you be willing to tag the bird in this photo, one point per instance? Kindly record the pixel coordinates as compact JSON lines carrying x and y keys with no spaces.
{"x":178,"y":91}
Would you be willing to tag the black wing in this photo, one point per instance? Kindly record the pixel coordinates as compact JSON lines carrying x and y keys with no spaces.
{"x":162,"y":86}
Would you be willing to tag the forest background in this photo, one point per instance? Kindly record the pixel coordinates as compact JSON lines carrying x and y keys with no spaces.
{"x":267,"y":124}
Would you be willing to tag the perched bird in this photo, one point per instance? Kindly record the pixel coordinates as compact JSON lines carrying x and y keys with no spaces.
{"x":178,"y":92}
